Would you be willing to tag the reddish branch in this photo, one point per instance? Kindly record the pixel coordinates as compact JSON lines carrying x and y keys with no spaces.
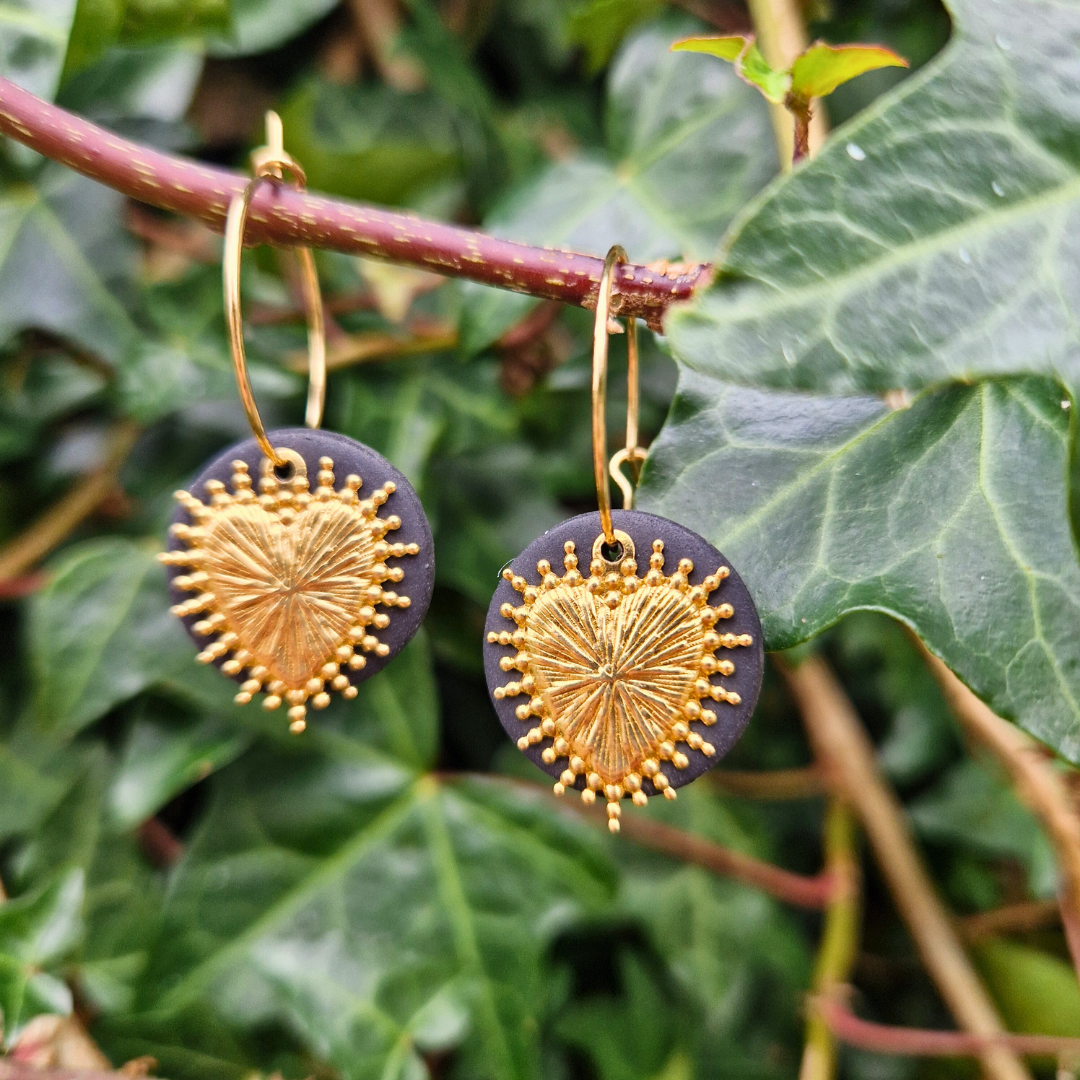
{"x":797,"y":889}
{"x":919,"y":1042}
{"x":282,"y":216}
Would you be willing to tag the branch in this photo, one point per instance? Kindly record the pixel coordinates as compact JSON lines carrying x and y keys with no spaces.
{"x":1037,"y":783}
{"x":781,"y":35}
{"x":1022,"y":917}
{"x":771,"y":784}
{"x":54,"y":525}
{"x":919,"y":1042}
{"x":840,"y":742}
{"x":840,"y":940}
{"x":796,"y":889}
{"x":282,"y":216}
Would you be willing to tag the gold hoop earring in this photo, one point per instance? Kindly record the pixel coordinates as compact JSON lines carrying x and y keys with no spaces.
{"x":281,"y":587}
{"x":615,"y":670}
{"x":270,"y":164}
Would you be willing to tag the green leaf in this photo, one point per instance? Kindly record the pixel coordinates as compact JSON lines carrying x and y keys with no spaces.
{"x":827,"y":505}
{"x":260,"y":25}
{"x":726,"y":46}
{"x":931,"y":239}
{"x":1036,"y":992}
{"x":372,"y":142}
{"x":750,"y":65}
{"x":687,"y":145}
{"x":33,"y":41}
{"x":822,"y":68}
{"x":403,"y":702}
{"x":61,"y":246}
{"x":161,"y":759}
{"x":100,"y":632}
{"x":36,"y":930}
{"x":755,"y":69}
{"x":96,"y":26}
{"x":973,"y":808}
{"x":156,"y":20}
{"x":379,"y":914}
{"x":600,"y":26}
{"x":629,"y":1035}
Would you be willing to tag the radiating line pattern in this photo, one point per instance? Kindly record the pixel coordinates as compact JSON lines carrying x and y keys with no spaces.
{"x":292,"y":591}
{"x":616,"y":676}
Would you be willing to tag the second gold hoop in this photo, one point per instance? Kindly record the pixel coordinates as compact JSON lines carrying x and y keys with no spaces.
{"x":631,"y":453}
{"x":271,"y":163}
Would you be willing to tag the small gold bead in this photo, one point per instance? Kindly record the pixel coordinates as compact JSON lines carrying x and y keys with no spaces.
{"x":320,"y":701}
{"x":640,"y":798}
{"x":588,"y":796}
{"x":548,"y":755}
{"x":349,"y":693}
{"x":558,"y":788}
{"x":271,"y":702}
{"x":670,"y":793}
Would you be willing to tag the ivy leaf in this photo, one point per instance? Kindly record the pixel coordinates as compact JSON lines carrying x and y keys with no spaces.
{"x":61,"y":246}
{"x":687,"y":145}
{"x":156,"y":20}
{"x":977,"y":811}
{"x":33,"y":43}
{"x":819,"y":70}
{"x":378,"y":913}
{"x":161,"y":758}
{"x":600,"y":25}
{"x":260,"y":25}
{"x":95,"y":27}
{"x":100,"y":632}
{"x":37,"y":930}
{"x":755,"y":69}
{"x":827,"y":505}
{"x":726,"y":46}
{"x":933,"y":239}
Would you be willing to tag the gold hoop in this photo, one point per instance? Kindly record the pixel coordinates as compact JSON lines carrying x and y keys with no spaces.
{"x":632,"y":453}
{"x":271,"y":163}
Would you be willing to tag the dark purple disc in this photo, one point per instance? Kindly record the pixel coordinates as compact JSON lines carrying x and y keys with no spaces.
{"x":679,"y":543}
{"x":349,"y":457}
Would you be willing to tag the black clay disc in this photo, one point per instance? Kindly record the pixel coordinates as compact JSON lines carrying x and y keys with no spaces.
{"x":679,"y":543}
{"x":349,"y":457}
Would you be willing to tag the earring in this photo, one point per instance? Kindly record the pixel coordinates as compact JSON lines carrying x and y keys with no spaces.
{"x":284,"y":588}
{"x":622,"y":683}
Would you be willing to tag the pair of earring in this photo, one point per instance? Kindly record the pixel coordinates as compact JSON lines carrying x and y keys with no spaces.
{"x":626,"y":675}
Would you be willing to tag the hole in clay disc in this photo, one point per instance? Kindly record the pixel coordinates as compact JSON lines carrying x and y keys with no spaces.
{"x":285,"y":472}
{"x":611,"y":552}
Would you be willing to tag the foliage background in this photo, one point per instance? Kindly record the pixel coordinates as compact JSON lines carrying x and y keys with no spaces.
{"x":394,"y":895}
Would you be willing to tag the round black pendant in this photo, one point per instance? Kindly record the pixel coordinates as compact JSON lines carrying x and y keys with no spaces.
{"x":313,"y":536}
{"x":612,"y":656}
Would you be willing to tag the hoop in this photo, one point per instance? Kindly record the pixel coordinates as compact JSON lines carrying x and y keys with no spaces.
{"x":271,"y":163}
{"x":632,"y":453}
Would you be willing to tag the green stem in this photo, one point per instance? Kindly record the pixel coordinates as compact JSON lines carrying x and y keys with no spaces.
{"x":839,"y":940}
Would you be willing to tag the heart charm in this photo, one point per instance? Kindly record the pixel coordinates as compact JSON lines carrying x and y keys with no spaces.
{"x":288,"y":580}
{"x":615,"y":668}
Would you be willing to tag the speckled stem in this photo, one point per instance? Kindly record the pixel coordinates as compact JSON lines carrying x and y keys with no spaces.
{"x":280,"y":215}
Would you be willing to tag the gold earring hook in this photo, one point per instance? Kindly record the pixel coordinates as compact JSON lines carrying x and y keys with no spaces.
{"x":632,"y":453}
{"x":271,"y":162}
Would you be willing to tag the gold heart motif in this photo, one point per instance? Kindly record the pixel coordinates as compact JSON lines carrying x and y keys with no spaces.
{"x":616,"y":667}
{"x":288,"y":580}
